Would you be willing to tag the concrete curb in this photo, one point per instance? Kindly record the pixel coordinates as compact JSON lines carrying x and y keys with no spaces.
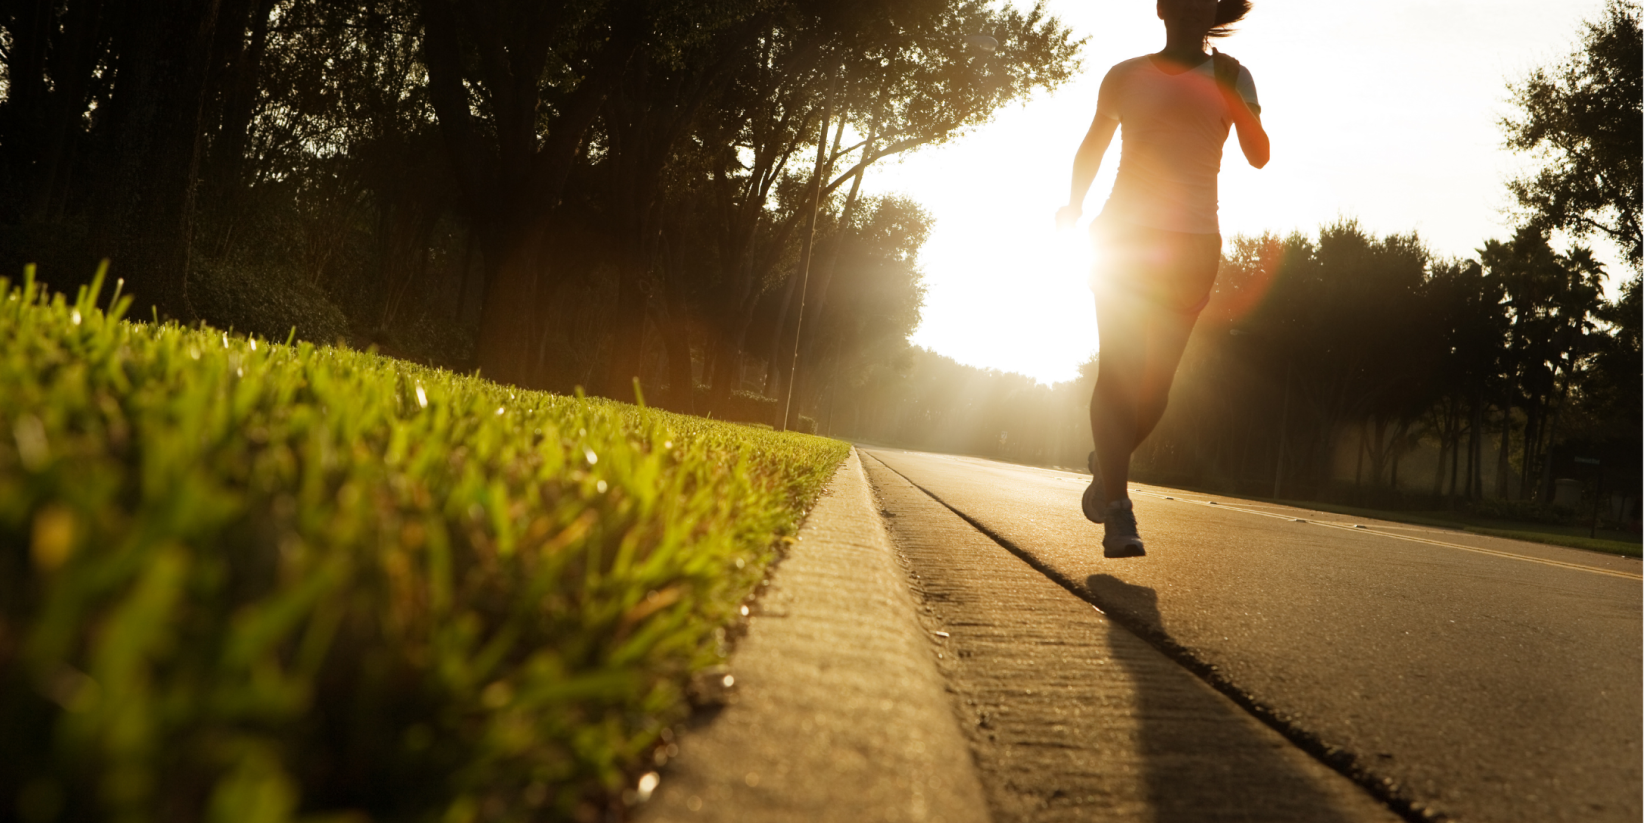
{"x":841,"y":714}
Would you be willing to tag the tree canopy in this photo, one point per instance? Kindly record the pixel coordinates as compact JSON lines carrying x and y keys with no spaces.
{"x":558,"y":193}
{"x":1582,"y":119}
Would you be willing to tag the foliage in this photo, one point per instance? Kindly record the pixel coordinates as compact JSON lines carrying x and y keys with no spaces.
{"x":1492,"y":522}
{"x":1622,"y":548}
{"x":1583,"y":120}
{"x":244,"y":580}
{"x":564,"y":194}
{"x":1520,"y":510}
{"x":267,"y":303}
{"x":748,"y":407}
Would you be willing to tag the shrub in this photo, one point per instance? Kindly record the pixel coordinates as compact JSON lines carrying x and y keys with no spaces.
{"x":1526,"y":511}
{"x":748,"y":407}
{"x":268,"y":303}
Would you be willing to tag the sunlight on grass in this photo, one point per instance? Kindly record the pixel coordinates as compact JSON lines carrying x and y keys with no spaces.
{"x":305,"y":579}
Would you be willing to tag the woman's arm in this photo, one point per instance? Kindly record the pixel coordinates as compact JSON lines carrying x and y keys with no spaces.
{"x":1255,"y":142}
{"x":1087,"y":160}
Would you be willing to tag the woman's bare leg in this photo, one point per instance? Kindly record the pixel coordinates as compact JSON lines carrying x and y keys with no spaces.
{"x":1140,"y":345}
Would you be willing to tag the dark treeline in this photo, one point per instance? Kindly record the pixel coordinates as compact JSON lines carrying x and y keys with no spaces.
{"x":1340,"y":366}
{"x":557,"y":193}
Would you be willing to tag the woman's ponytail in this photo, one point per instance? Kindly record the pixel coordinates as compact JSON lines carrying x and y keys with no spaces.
{"x":1230,"y":12}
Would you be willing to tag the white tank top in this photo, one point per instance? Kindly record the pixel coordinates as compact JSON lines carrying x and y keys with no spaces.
{"x":1173,"y":129}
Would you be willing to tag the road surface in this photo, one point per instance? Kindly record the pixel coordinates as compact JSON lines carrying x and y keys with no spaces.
{"x":1477,"y":678}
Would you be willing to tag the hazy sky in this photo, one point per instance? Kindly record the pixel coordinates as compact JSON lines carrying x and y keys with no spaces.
{"x":1386,"y":112}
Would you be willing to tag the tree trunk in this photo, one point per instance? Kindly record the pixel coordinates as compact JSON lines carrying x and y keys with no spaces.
{"x":628,"y":329}
{"x":1395,"y":458}
{"x":146,"y":220}
{"x":818,"y":293}
{"x":774,"y":350}
{"x":241,"y":44}
{"x":1442,"y":432}
{"x":1530,"y":437}
{"x":1477,"y":485}
{"x":40,"y":119}
{"x":1360,"y":452}
{"x":511,"y":172}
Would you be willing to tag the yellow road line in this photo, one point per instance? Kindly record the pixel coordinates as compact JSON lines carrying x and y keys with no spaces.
{"x":1369,"y":530}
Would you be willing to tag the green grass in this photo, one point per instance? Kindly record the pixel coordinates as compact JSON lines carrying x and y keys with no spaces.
{"x":1550,"y":534}
{"x":247,"y":581}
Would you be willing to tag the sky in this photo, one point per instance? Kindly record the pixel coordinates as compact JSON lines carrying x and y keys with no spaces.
{"x":1383,"y":112}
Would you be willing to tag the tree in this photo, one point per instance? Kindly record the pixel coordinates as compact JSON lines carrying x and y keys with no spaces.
{"x":1583,"y":119}
{"x":516,"y":86}
{"x":1469,"y":312}
{"x":63,"y":122}
{"x":1551,"y":301}
{"x":902,"y":77}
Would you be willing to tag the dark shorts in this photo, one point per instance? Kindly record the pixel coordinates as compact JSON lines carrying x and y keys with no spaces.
{"x":1170,"y":269}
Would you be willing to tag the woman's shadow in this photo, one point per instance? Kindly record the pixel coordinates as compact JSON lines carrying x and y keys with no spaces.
{"x":1204,"y":757}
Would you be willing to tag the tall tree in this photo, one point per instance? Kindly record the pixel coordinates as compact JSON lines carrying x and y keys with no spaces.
{"x":516,"y":86}
{"x":1583,"y":119}
{"x":1551,"y":300}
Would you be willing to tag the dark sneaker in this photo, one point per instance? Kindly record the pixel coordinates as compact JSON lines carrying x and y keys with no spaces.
{"x":1092,"y":500}
{"x":1121,"y":531}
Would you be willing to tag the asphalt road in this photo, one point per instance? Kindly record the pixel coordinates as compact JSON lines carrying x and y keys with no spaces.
{"x":1486,"y":679}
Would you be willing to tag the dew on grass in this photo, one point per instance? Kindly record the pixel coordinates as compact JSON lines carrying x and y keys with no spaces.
{"x":30,"y":434}
{"x":458,"y":489}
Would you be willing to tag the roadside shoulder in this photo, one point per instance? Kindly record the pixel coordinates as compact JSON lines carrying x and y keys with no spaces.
{"x":840,"y":714}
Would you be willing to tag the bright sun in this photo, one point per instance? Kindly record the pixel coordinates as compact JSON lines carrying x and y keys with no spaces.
{"x":1006,"y":291}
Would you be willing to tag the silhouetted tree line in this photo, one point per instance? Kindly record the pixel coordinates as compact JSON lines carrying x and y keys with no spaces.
{"x":558,"y":193}
{"x":1318,"y":353}
{"x":1376,"y":346}
{"x":925,"y":400}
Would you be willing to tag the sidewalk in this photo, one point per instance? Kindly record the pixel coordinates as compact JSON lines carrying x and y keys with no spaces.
{"x":840,"y":713}
{"x":903,"y":666}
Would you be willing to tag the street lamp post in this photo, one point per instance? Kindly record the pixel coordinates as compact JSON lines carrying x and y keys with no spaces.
{"x":806,"y":249}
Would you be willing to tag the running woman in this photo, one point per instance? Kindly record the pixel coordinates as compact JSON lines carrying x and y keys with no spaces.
{"x":1157,"y":237}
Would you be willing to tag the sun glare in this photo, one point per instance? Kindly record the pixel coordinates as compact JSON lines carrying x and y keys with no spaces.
{"x":1071,"y":251}
{"x":1010,"y":296}
{"x":1007,"y":292}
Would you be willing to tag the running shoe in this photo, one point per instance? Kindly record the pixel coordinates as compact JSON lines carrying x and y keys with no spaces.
{"x":1121,"y":531}
{"x":1092,"y":500}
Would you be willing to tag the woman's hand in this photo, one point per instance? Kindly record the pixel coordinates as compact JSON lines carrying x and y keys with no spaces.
{"x":1067,"y":216}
